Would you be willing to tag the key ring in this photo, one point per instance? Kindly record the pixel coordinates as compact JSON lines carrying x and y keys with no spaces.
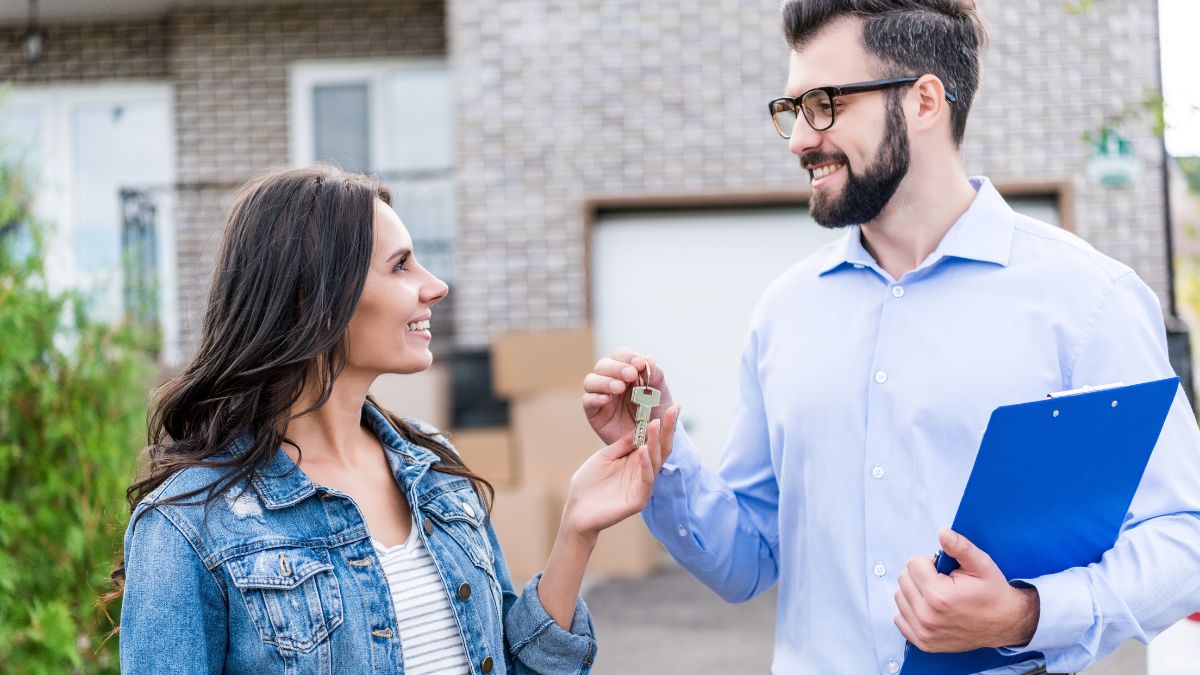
{"x":643,"y":380}
{"x":648,"y":374}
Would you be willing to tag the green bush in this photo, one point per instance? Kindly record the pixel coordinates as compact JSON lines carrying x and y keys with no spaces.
{"x":73,"y":397}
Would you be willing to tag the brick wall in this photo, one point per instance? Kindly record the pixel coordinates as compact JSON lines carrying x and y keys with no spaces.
{"x":1050,"y":80}
{"x":570,"y":99}
{"x":89,"y":52}
{"x":230,"y":68}
{"x":656,"y":96}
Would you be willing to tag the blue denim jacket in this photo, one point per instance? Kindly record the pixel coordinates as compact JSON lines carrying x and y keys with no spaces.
{"x":283,"y":579}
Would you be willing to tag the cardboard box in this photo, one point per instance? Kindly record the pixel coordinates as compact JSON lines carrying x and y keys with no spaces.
{"x":627,"y":550}
{"x":488,"y":452}
{"x":424,"y":395}
{"x":526,"y":523}
{"x":527,"y":362}
{"x":526,"y":519}
{"x":552,"y":437}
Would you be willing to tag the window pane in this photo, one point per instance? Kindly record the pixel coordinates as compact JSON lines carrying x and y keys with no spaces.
{"x":420,"y":104}
{"x":340,"y":125}
{"x":1044,"y":209}
{"x":20,"y":135}
{"x":117,"y":145}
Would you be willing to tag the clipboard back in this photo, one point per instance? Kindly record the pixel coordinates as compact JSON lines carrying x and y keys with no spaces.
{"x":1050,"y":489}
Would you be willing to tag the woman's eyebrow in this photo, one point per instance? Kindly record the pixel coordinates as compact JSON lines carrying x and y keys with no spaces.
{"x":397,"y":254}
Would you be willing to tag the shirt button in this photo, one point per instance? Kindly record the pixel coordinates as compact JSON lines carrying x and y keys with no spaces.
{"x":468,"y":510}
{"x":487,"y":664}
{"x":683,"y":531}
{"x":880,"y":570}
{"x":898,"y":291}
{"x":877,"y":472}
{"x":881,"y":377}
{"x":893,"y":667}
{"x":427,"y":526}
{"x":464,"y":592}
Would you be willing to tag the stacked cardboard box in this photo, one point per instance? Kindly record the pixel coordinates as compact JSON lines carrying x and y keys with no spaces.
{"x":541,"y":374}
{"x":489,"y":453}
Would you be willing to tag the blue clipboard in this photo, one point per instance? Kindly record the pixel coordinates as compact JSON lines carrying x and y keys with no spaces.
{"x":1050,"y":488}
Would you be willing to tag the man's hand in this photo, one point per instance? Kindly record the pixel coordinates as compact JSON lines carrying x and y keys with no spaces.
{"x":606,"y":393}
{"x":972,"y":607}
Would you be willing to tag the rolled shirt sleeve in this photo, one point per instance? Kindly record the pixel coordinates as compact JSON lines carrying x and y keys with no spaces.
{"x":535,"y":642}
{"x":540,"y":645}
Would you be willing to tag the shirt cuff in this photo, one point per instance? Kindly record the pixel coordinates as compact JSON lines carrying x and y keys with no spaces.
{"x":684,"y":458}
{"x":1065,"y":613}
{"x":666,"y":512}
{"x":540,"y":643}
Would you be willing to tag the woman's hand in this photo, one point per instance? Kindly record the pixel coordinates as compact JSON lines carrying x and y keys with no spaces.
{"x":616,"y":482}
{"x":612,"y":485}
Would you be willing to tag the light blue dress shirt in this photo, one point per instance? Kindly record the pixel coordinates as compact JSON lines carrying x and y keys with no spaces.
{"x":861,"y":406}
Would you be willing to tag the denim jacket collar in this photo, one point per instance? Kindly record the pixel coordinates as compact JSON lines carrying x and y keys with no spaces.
{"x":281,"y":483}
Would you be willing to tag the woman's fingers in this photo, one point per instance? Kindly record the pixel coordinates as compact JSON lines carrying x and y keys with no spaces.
{"x":670,"y":420}
{"x":621,"y":448}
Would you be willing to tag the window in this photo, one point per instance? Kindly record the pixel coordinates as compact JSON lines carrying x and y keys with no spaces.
{"x":390,"y":118}
{"x":85,"y":147}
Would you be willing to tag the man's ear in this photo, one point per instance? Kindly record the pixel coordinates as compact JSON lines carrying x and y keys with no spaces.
{"x":931,"y":106}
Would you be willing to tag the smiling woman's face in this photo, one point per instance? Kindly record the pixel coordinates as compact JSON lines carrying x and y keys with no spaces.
{"x":389,"y":332}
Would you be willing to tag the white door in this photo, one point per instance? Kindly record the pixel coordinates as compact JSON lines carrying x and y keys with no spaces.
{"x":82,"y":145}
{"x":689,"y":304}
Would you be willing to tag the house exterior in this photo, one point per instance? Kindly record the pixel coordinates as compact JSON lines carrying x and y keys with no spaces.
{"x":561,"y":163}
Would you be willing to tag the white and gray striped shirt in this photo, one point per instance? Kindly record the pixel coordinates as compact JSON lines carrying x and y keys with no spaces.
{"x":429,"y":637}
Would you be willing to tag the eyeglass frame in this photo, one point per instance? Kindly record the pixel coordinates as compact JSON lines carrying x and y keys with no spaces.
{"x":833,"y":93}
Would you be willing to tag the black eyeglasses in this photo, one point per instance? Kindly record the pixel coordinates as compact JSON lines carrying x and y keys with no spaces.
{"x":817,"y":104}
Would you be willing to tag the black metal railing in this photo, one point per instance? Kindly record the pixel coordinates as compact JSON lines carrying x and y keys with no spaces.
{"x":139,"y":257}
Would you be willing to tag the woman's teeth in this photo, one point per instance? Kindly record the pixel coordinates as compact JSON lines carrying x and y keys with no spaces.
{"x":420,"y":325}
{"x":822,"y":171}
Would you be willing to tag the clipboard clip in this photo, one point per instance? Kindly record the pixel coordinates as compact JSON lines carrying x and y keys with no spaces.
{"x":1085,"y":390}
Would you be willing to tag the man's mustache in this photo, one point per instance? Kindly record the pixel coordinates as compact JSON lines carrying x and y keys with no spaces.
{"x":816,"y":158}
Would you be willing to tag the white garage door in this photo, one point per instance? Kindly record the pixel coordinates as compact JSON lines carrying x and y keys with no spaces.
{"x":681,"y":284}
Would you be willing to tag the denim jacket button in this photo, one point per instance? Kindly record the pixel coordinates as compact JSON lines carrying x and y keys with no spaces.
{"x":464,"y":592}
{"x":428,"y":527}
{"x":486,"y":664}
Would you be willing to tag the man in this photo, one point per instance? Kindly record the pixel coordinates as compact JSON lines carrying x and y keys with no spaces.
{"x":871,"y":368}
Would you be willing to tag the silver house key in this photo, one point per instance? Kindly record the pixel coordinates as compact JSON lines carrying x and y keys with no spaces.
{"x":644,"y":398}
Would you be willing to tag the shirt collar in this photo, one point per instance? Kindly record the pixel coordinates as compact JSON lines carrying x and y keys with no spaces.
{"x":281,"y":483}
{"x":983,"y":233}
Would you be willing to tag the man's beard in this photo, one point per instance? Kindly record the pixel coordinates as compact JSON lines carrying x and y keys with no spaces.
{"x":864,"y":196}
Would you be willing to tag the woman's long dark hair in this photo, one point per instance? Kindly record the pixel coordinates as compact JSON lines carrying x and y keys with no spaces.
{"x":288,"y":277}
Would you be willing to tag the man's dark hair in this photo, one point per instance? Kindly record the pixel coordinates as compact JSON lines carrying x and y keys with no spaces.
{"x":909,"y":37}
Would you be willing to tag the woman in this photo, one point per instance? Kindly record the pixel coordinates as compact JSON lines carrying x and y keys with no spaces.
{"x":286,"y":523}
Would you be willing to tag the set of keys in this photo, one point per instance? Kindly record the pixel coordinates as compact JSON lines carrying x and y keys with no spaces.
{"x":642,"y":400}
